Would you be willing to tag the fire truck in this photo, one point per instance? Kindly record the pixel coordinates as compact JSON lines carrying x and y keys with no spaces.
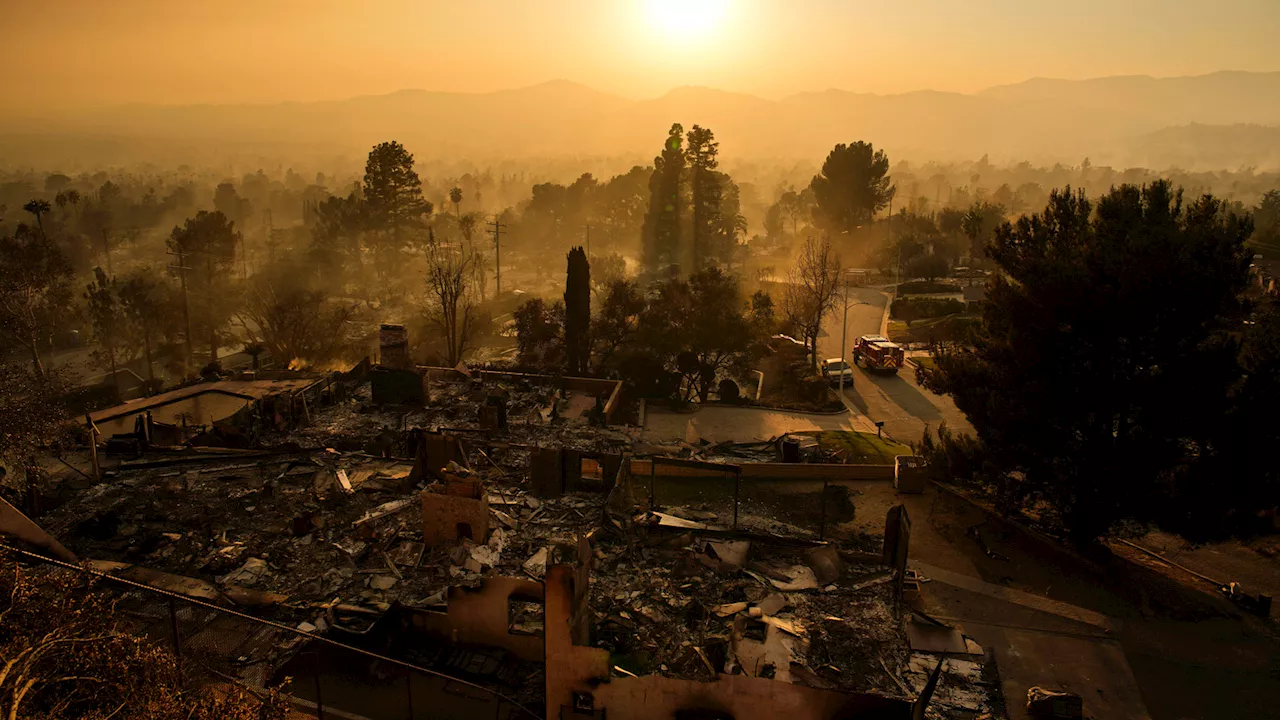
{"x":876,"y":352}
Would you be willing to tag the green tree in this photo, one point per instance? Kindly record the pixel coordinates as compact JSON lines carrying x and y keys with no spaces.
{"x":696,"y":329}
{"x":577,"y":312}
{"x":38,"y":208}
{"x":338,"y":232}
{"x":617,"y":323}
{"x":147,"y":307}
{"x":106,"y":315}
{"x":540,"y":333}
{"x":979,"y":226}
{"x":794,"y":207}
{"x":1102,"y":349}
{"x":35,"y":290}
{"x":929,"y":267}
{"x":706,"y":194}
{"x":852,"y":187}
{"x":455,"y":197}
{"x":393,"y":198}
{"x":731,"y":224}
{"x":228,"y":202}
{"x":1266,"y":218}
{"x":206,"y":243}
{"x":661,"y":230}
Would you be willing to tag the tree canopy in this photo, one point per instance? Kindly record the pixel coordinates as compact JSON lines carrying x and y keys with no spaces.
{"x":852,"y":187}
{"x":1103,"y":348}
{"x":661,"y":231}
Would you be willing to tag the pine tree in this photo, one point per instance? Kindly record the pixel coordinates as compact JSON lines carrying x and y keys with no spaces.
{"x":706,"y":193}
{"x":661,"y":233}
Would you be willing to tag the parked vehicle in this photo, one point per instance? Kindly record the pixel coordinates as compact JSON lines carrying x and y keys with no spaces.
{"x":876,"y":352}
{"x":834,"y":368}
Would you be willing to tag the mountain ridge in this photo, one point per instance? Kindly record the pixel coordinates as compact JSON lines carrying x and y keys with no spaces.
{"x":1041,"y":119}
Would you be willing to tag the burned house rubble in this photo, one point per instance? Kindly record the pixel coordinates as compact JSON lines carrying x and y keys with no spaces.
{"x":504,"y":515}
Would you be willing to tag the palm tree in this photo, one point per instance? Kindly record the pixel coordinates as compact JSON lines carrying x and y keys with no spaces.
{"x":73,"y":197}
{"x":455,"y":197}
{"x":38,"y":208}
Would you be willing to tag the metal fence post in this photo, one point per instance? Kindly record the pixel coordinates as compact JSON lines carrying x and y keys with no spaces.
{"x":737,"y":481}
{"x":315,"y":672}
{"x":822,"y":525}
{"x":653,"y":483}
{"x":173,"y":628}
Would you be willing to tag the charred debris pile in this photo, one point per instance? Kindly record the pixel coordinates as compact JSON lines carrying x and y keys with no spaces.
{"x":377,"y":522}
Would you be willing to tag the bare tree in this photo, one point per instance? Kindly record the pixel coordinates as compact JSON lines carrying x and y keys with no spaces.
{"x":451,"y":297}
{"x":35,"y":280}
{"x":294,"y":317}
{"x":67,"y":651}
{"x":811,"y":290}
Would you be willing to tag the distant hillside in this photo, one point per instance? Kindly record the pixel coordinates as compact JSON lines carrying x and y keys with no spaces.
{"x":1118,"y":121}
{"x":1192,"y":146}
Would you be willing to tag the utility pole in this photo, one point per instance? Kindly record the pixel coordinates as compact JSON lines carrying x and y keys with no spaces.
{"x":181,"y":268}
{"x":213,"y":331}
{"x":496,"y":228}
{"x":588,"y":242}
{"x":844,"y":332}
{"x":889,"y":230}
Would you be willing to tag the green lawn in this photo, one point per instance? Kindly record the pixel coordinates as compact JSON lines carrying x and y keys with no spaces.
{"x":861,"y":448}
{"x":924,"y":361}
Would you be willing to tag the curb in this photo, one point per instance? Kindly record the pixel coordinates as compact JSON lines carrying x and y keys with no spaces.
{"x":888,"y":303}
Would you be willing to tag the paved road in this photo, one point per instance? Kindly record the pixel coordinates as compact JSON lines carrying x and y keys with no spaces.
{"x":897,"y":400}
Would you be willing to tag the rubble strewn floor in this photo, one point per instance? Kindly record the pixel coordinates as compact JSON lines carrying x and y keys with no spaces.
{"x":330,"y":538}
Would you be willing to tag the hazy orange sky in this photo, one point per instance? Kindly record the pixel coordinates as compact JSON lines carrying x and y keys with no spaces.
{"x":95,"y":52}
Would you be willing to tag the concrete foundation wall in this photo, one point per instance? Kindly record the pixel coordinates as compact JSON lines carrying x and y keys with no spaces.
{"x":739,"y":696}
{"x":773,"y":471}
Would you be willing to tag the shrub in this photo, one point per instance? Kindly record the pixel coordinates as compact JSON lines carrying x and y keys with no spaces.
{"x":910,"y":309}
{"x":926,"y":266}
{"x":924,"y":287}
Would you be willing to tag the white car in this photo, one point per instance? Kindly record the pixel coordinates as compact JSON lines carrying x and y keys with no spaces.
{"x":834,"y":368}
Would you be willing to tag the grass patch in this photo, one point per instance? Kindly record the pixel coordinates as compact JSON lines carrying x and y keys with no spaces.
{"x":950,"y":328}
{"x":925,"y":362}
{"x":859,"y":448}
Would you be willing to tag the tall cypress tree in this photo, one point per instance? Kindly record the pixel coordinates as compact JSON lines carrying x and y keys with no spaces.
{"x":661,"y":234}
{"x":577,"y":312}
{"x":705,"y":192}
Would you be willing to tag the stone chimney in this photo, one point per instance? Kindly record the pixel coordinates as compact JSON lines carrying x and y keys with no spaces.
{"x":393,"y":342}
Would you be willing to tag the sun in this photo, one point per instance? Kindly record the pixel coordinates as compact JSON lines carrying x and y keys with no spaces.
{"x":685,"y":20}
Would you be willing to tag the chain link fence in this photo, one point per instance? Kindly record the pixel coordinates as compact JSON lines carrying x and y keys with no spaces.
{"x":325,"y":678}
